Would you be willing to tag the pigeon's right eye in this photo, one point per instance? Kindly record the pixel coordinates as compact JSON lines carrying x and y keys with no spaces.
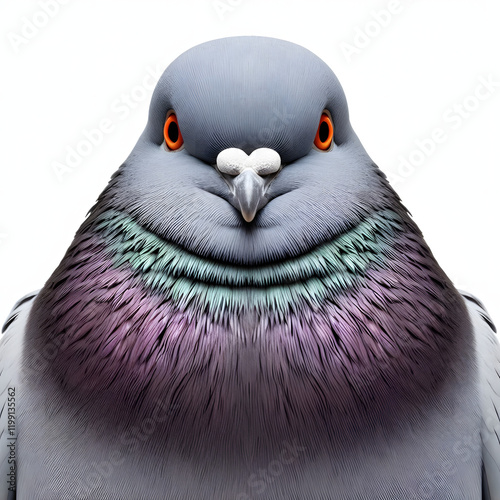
{"x":172,"y":133}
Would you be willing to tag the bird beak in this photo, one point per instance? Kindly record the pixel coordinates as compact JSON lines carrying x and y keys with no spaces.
{"x":249,"y":193}
{"x":248,"y":177}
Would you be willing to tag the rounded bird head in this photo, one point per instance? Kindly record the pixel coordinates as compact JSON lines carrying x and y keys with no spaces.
{"x":248,"y":155}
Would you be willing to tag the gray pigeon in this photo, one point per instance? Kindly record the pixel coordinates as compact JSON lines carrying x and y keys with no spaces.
{"x":249,"y":312}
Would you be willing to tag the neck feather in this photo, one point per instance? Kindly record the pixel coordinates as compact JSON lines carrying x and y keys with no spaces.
{"x":367,"y":320}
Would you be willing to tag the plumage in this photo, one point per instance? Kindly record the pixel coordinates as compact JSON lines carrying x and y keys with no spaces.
{"x":303,"y":345}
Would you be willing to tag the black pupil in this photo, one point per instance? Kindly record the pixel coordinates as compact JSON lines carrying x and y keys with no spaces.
{"x":173,"y":132}
{"x":324,"y":131}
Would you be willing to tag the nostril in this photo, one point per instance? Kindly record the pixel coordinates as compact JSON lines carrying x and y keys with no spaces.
{"x":263,"y":161}
{"x":232,"y":161}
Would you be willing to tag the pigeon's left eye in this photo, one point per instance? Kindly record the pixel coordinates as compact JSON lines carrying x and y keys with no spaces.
{"x":324,"y":135}
{"x":172,"y":133}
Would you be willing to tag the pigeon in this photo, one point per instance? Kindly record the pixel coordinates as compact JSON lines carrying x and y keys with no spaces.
{"x":249,"y":312}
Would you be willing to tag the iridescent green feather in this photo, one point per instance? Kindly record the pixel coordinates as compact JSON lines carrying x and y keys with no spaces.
{"x":187,"y":278}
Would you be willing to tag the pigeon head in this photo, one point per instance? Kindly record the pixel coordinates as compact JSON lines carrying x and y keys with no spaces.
{"x":247,"y":177}
{"x":249,"y":262}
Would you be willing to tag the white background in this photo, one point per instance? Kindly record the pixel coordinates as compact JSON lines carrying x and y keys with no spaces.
{"x":75,"y":70}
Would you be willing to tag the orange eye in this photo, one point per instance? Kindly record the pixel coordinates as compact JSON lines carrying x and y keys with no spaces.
{"x":172,"y":133}
{"x":324,"y":135}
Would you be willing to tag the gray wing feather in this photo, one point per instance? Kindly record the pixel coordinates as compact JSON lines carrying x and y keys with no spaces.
{"x":11,"y":342}
{"x":488,"y":357}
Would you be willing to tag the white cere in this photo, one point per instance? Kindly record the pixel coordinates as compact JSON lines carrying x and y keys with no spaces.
{"x":263,"y":161}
